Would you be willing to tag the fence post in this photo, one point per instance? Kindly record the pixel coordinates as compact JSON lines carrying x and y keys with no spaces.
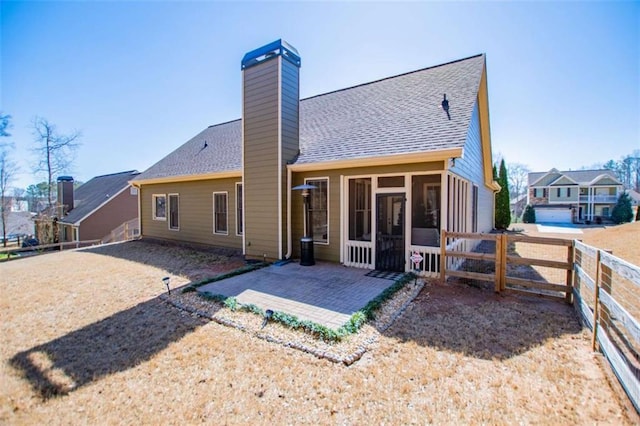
{"x":570,"y":259}
{"x":596,"y":308}
{"x":126,"y":231}
{"x":498,"y":265}
{"x":443,"y":261}
{"x":606,"y":284}
{"x":503,"y":270}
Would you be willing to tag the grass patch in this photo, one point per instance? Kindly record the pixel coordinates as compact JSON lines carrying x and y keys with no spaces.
{"x":242,"y":270}
{"x":327,"y":334}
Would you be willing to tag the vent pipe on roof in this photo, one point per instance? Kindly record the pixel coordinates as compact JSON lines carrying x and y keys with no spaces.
{"x":445,"y":106}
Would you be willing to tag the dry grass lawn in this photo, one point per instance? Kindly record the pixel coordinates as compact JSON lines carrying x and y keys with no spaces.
{"x":85,"y":339}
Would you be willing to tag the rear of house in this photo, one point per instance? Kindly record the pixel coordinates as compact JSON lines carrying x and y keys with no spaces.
{"x":392,"y":162}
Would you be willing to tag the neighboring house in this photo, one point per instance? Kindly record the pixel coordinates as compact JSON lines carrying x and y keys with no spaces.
{"x":573,"y":196}
{"x":97,"y":207}
{"x":393,"y":164}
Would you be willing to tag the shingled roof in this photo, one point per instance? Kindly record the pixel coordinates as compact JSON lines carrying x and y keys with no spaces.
{"x":581,"y":177}
{"x":91,"y":195}
{"x":395,"y":115}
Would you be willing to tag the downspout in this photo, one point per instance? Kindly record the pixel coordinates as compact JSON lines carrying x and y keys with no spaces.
{"x":139,"y":187}
{"x":289,"y":231}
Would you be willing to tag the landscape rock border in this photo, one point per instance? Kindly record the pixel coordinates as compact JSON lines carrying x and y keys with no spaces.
{"x":347,"y":351}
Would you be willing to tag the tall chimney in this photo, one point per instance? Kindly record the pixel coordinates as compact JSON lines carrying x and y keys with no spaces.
{"x":65,"y":195}
{"x":270,"y":140}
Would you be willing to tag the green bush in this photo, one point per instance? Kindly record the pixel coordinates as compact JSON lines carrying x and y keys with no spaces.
{"x":622,"y":211}
{"x":529,"y":215}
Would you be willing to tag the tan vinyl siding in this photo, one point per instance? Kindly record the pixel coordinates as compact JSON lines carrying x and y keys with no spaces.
{"x":196,"y":212}
{"x":331,"y":252}
{"x":260,"y":121}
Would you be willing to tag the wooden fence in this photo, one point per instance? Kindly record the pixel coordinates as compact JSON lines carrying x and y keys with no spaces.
{"x":607,"y":297}
{"x":125,"y":232}
{"x":45,"y":248}
{"x":604,"y":289}
{"x":504,"y":259}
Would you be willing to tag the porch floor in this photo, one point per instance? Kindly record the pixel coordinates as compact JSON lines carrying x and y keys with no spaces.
{"x":325,"y":293}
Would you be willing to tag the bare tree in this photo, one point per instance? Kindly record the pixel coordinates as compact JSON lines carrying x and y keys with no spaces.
{"x":518,"y":175}
{"x":8,"y":170}
{"x":55,"y":151}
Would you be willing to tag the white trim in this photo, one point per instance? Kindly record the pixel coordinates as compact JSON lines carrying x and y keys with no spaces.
{"x":416,"y":157}
{"x":153,"y":207}
{"x":279,"y":157}
{"x":244,"y":204}
{"x":226,"y":193}
{"x":328,"y":210}
{"x":169,"y":211}
{"x":187,"y":178}
{"x":342,"y":218}
{"x":77,"y":222}
{"x":236,"y":215}
{"x":289,"y":232}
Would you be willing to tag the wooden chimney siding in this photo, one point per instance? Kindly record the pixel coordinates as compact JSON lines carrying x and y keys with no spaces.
{"x":270,"y":140}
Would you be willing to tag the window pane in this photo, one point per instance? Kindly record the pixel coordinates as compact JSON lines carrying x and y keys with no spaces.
{"x":425,"y":210}
{"x":360,"y":209}
{"x":160,"y":207}
{"x":391,"y":182}
{"x":318,"y":202}
{"x":220,"y":213}
{"x":173,"y":212}
{"x":239,"y":223}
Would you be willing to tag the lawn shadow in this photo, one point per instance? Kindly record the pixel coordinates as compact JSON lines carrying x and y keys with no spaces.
{"x":195,"y":262}
{"x":479,"y":323}
{"x":114,"y":344}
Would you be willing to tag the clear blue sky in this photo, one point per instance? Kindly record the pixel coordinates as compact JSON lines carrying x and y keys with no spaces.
{"x":141,"y":78}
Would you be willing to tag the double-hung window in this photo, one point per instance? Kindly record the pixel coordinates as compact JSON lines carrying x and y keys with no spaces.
{"x":174,"y":216}
{"x":159,"y":206}
{"x":239,"y":203}
{"x":220,"y":220}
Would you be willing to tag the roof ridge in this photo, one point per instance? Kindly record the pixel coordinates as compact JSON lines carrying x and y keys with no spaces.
{"x":393,"y":76}
{"x":224,"y":122}
{"x":117,"y":173}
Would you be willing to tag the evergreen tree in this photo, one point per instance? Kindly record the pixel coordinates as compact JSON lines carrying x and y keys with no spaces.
{"x":529,"y":215}
{"x":503,"y":209}
{"x":638,"y":214}
{"x":622,"y":211}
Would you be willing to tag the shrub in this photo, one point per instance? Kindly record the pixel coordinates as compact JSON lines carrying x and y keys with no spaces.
{"x":622,"y":211}
{"x":529,"y":215}
{"x":502,"y":204}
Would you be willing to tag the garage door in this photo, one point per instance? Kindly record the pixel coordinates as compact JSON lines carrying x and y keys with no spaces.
{"x":553,"y":216}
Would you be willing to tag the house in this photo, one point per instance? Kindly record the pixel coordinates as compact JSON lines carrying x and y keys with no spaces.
{"x":96,"y":208}
{"x":573,"y":196}
{"x":393,"y":162}
{"x":634,"y":196}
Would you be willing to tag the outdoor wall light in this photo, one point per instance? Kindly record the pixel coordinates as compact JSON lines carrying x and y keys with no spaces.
{"x":166,"y":281}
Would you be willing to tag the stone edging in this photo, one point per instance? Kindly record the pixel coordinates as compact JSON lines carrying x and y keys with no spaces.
{"x":346,"y":360}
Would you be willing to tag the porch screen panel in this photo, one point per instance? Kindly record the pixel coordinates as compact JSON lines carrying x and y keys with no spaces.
{"x":318,"y":209}
{"x":360,"y":209}
{"x":425,"y":210}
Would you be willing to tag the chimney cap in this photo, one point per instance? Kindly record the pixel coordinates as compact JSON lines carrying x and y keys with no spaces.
{"x":271,"y":50}
{"x":65,"y":178}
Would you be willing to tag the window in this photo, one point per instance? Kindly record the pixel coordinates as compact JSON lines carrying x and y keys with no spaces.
{"x":174,"y":219}
{"x":360,"y":209}
{"x":568,"y":192}
{"x":220,"y":213}
{"x":239,"y":203}
{"x":159,"y":207}
{"x":558,"y":192}
{"x":318,"y":210}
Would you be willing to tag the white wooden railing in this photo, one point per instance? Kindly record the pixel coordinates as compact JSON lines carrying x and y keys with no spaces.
{"x":359,"y":254}
{"x":430,"y":265}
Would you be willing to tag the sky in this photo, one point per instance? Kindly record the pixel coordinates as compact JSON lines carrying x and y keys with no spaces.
{"x":139,"y":79}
